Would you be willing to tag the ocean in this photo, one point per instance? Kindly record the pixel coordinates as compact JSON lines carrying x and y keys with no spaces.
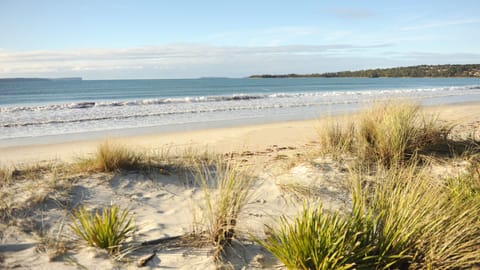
{"x":62,"y":110}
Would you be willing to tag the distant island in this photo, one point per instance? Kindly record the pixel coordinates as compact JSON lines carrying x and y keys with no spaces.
{"x":40,"y":79}
{"x":430,"y":71}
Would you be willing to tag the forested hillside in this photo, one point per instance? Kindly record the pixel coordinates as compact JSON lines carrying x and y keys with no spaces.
{"x":471,"y":70}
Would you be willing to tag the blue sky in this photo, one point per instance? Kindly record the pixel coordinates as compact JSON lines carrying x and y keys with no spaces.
{"x":115,"y":39}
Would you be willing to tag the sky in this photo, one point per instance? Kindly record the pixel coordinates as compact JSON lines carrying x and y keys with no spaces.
{"x":146,"y":39}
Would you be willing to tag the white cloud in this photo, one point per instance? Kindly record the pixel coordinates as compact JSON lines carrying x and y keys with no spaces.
{"x":194,"y":60}
{"x":429,"y":25}
{"x":187,"y":58}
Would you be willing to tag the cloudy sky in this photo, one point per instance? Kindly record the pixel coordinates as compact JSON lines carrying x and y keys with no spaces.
{"x":123,"y":39}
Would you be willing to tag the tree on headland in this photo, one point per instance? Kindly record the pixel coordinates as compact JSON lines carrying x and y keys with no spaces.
{"x":434,"y":71}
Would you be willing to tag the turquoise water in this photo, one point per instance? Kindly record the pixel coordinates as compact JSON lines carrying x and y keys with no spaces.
{"x":58,"y":92}
{"x":36,"y":109}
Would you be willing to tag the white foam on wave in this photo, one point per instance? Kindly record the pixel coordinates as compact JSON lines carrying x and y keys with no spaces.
{"x":201,"y":99}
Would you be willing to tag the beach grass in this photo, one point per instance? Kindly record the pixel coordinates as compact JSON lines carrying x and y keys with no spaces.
{"x":39,"y":179}
{"x":335,"y":137}
{"x":227,"y":189}
{"x":107,"y":229}
{"x":458,"y":244}
{"x":25,"y":185}
{"x":5,"y":176}
{"x":111,"y":157}
{"x":388,"y":133}
{"x":401,"y":218}
{"x":313,"y":240}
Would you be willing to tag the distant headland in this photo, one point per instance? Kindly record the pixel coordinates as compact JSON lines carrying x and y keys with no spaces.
{"x":40,"y":79}
{"x":422,"y":71}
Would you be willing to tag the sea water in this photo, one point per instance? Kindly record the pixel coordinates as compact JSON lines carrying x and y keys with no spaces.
{"x":62,"y":110}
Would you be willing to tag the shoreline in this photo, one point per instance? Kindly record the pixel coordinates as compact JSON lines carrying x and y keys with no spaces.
{"x":225,"y":139}
{"x":218,"y":139}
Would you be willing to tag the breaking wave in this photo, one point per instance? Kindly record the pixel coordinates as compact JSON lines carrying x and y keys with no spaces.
{"x":440,"y":91}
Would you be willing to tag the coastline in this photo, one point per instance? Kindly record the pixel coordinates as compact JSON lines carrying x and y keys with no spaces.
{"x":246,"y":137}
{"x":68,"y":112}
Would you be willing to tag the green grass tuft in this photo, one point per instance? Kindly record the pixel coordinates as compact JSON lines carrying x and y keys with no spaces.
{"x":314,"y":240}
{"x":107,"y":230}
{"x":400,"y":219}
{"x":456,"y":242}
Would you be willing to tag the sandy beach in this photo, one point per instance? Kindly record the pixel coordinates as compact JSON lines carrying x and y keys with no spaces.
{"x":36,"y":212}
{"x":241,"y":138}
{"x":252,"y":138}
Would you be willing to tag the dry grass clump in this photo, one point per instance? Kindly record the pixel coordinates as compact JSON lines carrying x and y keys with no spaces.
{"x":300,"y":191}
{"x":37,"y":170}
{"x":336,"y":138}
{"x":5,"y":176}
{"x":187,"y":160}
{"x":111,"y":157}
{"x":53,"y":243}
{"x":227,"y":190}
{"x":107,"y":230}
{"x":389,"y":133}
{"x":400,"y":219}
{"x":29,"y":185}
